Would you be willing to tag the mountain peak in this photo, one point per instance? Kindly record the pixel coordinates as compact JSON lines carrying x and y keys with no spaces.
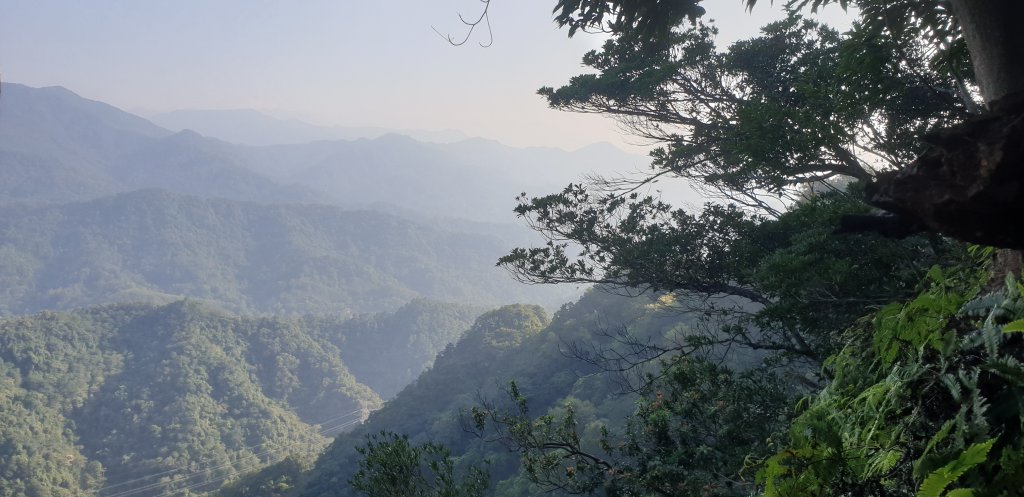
{"x":53,"y":90}
{"x":188,"y":135}
{"x":601,"y":148}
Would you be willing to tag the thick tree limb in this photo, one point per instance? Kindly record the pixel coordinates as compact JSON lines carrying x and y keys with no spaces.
{"x":969,"y":184}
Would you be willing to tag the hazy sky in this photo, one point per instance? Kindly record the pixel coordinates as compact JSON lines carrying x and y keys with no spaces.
{"x":339,"y":62}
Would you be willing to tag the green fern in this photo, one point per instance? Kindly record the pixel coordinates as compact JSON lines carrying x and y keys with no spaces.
{"x":922,"y":406}
{"x":944,"y":476}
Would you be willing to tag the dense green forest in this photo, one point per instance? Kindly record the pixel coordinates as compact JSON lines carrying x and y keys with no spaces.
{"x":245,"y":257}
{"x":138,"y":399}
{"x":844,"y":316}
{"x":891,"y":353}
{"x":513,"y":342}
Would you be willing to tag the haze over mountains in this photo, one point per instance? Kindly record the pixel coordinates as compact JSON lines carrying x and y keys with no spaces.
{"x":155,"y":246}
{"x":74,"y":235}
{"x":57,"y":146}
{"x":251,"y":127}
{"x":196,"y":301}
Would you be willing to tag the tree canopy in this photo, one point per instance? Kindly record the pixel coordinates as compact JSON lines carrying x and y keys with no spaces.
{"x":887,"y":362}
{"x":785,"y":129}
{"x":794,"y":131}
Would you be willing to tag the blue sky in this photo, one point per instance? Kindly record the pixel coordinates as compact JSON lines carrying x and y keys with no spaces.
{"x":339,"y":62}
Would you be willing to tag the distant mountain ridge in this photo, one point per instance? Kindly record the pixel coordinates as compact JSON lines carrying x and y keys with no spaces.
{"x":158,"y":246}
{"x":57,"y":147}
{"x":151,"y":261}
{"x":102,"y":206}
{"x":251,"y":127}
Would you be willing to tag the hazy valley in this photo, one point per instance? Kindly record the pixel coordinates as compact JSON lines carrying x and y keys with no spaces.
{"x":809,"y":285}
{"x":181,"y":310}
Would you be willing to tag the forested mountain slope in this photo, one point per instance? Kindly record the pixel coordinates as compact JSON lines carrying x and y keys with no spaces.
{"x":125,"y":392}
{"x":512,"y":343}
{"x":141,"y":400}
{"x":388,"y":350}
{"x":247,"y":257}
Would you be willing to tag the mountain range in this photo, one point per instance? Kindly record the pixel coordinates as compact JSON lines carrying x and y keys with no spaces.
{"x":177,"y":309}
{"x":251,"y":127}
{"x":155,"y":246}
{"x":99,"y":205}
{"x":56,"y":146}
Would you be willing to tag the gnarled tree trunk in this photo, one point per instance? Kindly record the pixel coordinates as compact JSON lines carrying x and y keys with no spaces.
{"x":970,"y":183}
{"x":995,"y":38}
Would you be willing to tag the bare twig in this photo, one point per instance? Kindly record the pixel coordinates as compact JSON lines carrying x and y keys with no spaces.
{"x":472,"y":24}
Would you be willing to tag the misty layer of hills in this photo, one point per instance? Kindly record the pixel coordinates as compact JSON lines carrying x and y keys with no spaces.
{"x":57,"y":146}
{"x":155,"y":246}
{"x":250,"y":127}
{"x":99,"y":205}
{"x":201,"y":309}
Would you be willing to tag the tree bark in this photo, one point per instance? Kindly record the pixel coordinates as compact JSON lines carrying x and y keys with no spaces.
{"x":970,"y":183}
{"x":1003,"y":262}
{"x":995,"y":40}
